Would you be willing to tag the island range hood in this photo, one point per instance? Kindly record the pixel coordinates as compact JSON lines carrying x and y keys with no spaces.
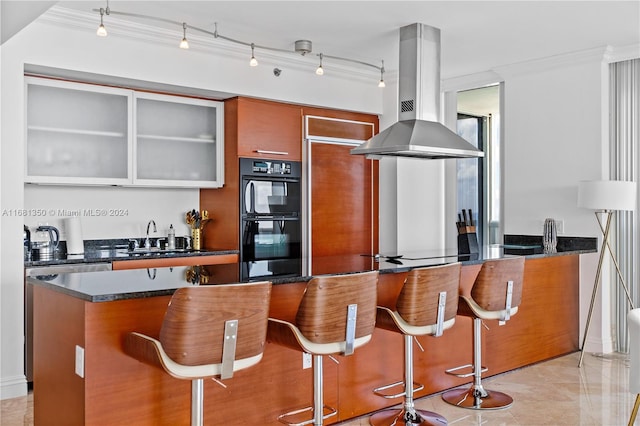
{"x":418,"y":133}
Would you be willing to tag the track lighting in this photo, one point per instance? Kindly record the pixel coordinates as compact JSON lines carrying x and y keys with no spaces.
{"x":253,"y":62}
{"x":301,"y":46}
{"x":381,"y":82}
{"x":184,"y":44}
{"x":102,"y":31}
{"x":319,"y":70}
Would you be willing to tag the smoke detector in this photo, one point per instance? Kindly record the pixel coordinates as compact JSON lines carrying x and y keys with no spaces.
{"x":303,"y":47}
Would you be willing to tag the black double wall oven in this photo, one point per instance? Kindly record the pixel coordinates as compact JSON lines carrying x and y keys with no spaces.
{"x":270,"y":223}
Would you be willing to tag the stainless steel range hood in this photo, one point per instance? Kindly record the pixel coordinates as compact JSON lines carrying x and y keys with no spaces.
{"x":418,"y":133}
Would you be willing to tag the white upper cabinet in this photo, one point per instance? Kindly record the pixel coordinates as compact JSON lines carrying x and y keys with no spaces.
{"x":178,"y":141}
{"x":84,"y":134}
{"x":77,"y":133}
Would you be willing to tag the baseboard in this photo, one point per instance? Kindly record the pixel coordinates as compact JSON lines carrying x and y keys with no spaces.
{"x":599,"y":345}
{"x":13,"y":387}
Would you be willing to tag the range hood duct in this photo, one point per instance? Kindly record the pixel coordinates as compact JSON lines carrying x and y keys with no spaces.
{"x":418,"y":133}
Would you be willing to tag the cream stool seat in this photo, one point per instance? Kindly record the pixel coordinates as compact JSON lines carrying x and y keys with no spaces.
{"x":495,"y":295}
{"x":426,"y":305}
{"x":336,"y":315}
{"x":207,"y":331}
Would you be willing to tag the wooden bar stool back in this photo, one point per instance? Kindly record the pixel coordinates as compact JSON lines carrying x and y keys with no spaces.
{"x":207,"y":331}
{"x":495,"y":295}
{"x":427,"y":305}
{"x":337,"y":314}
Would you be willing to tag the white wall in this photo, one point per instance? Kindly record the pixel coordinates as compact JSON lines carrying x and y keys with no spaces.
{"x":137,"y":206}
{"x":555,"y":136}
{"x":71,"y":44}
{"x":552,"y":141}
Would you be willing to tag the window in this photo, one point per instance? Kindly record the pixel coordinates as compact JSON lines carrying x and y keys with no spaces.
{"x":479,"y":179}
{"x":469,"y":170}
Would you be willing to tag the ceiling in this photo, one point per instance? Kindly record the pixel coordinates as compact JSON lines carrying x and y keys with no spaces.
{"x":476,"y":35}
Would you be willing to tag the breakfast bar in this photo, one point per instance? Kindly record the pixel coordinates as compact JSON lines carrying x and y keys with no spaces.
{"x":83,"y":376}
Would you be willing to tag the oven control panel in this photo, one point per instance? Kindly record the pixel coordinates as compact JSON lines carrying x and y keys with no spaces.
{"x":271,"y":167}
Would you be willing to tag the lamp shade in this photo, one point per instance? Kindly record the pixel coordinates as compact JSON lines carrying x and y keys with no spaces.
{"x":607,"y":195}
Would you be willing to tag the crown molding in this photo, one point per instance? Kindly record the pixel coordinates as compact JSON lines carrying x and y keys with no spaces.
{"x":471,"y":81}
{"x":198,"y":41}
{"x":606,"y":54}
{"x":594,"y":55}
{"x":622,"y":53}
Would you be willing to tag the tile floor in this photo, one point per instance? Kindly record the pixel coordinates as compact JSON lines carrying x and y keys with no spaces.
{"x":555,"y":392}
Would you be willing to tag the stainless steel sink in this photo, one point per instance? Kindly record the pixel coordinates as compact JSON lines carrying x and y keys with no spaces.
{"x":155,"y":250}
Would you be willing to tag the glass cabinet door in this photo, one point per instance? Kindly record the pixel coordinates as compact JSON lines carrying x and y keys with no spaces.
{"x":179,"y":141}
{"x":77,"y":133}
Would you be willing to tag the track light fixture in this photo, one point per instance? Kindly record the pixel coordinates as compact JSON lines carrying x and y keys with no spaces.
{"x":184,"y":44}
{"x":102,"y":31}
{"x":381,"y":82}
{"x":319,"y":70}
{"x":253,"y":62}
{"x":301,"y":46}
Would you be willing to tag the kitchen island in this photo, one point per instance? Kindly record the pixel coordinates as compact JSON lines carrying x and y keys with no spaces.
{"x":89,"y":313}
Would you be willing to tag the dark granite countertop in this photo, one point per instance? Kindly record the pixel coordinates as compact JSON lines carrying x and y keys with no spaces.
{"x":105,"y":286}
{"x":140,"y":283}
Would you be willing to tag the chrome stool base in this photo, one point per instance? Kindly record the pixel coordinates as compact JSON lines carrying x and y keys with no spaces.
{"x":292,"y":418}
{"x":394,"y":417}
{"x":477,"y":399}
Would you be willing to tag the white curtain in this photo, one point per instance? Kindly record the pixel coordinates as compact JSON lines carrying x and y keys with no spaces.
{"x":624,"y":138}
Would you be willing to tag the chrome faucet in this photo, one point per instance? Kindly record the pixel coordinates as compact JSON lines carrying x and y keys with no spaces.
{"x":147,"y":242}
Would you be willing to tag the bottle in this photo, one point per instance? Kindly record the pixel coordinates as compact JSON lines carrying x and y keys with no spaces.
{"x":171,"y":240}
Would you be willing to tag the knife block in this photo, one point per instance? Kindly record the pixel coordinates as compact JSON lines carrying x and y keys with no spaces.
{"x":468,"y":243}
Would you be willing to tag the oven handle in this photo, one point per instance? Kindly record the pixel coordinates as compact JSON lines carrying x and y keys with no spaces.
{"x":252,"y":198}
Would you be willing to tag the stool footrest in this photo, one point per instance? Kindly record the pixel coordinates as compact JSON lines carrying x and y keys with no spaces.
{"x":327,"y":412}
{"x":453,"y":370}
{"x":379,"y":390}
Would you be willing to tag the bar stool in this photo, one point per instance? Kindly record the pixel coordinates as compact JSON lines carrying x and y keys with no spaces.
{"x":495,"y":295}
{"x":207,"y":331}
{"x":427,"y":305}
{"x":337,"y":314}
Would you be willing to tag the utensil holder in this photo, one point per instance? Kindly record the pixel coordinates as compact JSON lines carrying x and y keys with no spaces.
{"x":196,"y":238}
{"x":468,"y":243}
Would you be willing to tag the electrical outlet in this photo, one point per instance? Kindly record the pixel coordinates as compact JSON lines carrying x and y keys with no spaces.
{"x":306,"y":360}
{"x":80,"y":361}
{"x":559,"y":226}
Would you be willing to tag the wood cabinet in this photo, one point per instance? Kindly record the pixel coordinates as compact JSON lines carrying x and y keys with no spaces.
{"x":268,"y":129}
{"x":85,"y":134}
{"x":254,"y":126}
{"x":218,"y":259}
{"x":343,"y":189}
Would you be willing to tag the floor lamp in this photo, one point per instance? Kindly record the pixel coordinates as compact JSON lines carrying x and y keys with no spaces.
{"x":605,"y":197}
